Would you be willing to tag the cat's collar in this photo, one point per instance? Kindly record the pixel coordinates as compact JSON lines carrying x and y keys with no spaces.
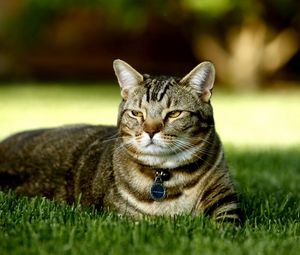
{"x":158,"y":191}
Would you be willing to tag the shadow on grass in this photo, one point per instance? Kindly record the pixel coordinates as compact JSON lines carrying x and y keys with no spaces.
{"x":268,"y":181}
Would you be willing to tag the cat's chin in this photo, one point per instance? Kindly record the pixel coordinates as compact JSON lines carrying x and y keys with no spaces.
{"x":162,"y":158}
{"x":155,"y":150}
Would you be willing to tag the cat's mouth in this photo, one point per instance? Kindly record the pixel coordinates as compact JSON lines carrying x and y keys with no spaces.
{"x":154,"y":146}
{"x":151,"y":142}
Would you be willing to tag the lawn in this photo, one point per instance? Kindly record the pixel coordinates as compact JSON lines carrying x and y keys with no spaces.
{"x":262,"y":143}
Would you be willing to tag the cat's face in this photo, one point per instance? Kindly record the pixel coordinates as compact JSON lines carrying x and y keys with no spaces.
{"x":162,"y":120}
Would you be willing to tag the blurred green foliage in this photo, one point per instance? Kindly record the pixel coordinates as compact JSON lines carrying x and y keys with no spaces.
{"x":28,"y":25}
{"x":235,"y":35}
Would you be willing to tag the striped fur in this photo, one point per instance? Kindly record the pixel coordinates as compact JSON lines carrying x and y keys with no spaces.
{"x":164,"y":123}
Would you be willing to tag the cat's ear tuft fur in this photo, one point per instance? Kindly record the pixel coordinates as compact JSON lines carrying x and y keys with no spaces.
{"x":127,"y":76}
{"x":201,"y":78}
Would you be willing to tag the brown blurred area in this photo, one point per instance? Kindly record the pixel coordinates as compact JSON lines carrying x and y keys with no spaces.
{"x":252,"y":43}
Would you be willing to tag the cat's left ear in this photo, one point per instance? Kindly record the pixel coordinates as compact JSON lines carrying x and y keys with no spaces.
{"x":127,"y":76}
{"x":201,"y":78}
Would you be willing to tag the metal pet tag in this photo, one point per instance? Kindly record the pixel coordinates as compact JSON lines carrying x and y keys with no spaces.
{"x":158,"y":191}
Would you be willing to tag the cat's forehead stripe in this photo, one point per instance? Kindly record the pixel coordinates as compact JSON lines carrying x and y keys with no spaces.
{"x":157,"y":88}
{"x":163,"y":92}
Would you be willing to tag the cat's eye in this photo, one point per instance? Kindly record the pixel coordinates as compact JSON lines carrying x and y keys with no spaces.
{"x":174,"y":114}
{"x":137,"y":114}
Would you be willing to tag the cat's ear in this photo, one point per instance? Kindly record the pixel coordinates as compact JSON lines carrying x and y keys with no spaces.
{"x":201,"y":78}
{"x":127,"y":76}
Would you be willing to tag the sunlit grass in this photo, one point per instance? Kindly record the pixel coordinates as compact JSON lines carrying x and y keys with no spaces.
{"x":260,"y":119}
{"x":33,"y":106}
{"x":268,"y":184}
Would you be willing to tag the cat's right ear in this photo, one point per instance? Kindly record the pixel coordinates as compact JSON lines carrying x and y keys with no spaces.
{"x":127,"y":76}
{"x":201,"y":79}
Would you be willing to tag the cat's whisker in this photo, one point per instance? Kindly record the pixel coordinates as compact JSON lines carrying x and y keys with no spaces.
{"x":186,"y":146}
{"x":110,"y":140}
{"x":115,"y":135}
{"x":200,"y":139}
{"x":113,"y":138}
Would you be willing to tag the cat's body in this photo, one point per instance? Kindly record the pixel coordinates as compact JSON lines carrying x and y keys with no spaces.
{"x":164,"y":158}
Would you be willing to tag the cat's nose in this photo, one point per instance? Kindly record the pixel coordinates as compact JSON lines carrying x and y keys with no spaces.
{"x":152,"y":133}
{"x":152,"y":127}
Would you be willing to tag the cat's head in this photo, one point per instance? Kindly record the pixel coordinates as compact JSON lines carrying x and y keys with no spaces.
{"x":165,"y":121}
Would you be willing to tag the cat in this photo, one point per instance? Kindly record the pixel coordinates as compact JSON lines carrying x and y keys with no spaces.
{"x":163,"y":158}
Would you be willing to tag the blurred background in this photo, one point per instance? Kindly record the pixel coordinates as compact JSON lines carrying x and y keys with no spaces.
{"x":252,"y":43}
{"x":48,"y":44}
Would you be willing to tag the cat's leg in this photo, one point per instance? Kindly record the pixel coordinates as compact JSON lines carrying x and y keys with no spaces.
{"x":219,"y":200}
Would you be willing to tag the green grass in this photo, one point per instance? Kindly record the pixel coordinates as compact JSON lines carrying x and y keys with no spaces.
{"x":262,"y":143}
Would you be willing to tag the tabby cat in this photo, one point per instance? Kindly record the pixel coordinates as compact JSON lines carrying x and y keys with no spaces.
{"x":163,"y":158}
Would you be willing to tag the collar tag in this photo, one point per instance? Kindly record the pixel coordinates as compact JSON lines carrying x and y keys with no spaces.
{"x":158,"y":191}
